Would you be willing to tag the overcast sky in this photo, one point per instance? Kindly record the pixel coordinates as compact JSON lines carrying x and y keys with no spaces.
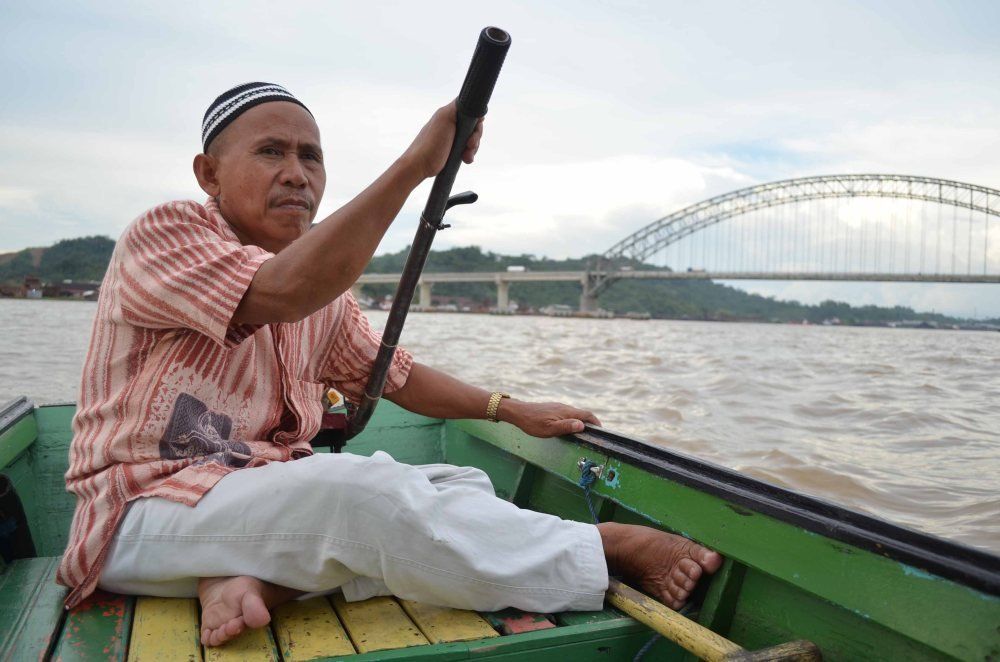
{"x":607,"y":115}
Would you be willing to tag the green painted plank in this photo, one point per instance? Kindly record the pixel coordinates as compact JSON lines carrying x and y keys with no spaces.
{"x":17,"y":439}
{"x":720,"y":602}
{"x":418,"y":444}
{"x":406,"y":436}
{"x":30,"y":608}
{"x":49,"y":455}
{"x":588,"y":617}
{"x":526,"y":475}
{"x":510,"y":476}
{"x":97,"y":629}
{"x":597,"y":642}
{"x":952,"y":618}
{"x":770,"y":611}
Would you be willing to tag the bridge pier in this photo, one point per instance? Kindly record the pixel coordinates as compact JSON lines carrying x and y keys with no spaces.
{"x":503,"y":295}
{"x":425,"y":295}
{"x":588,"y":299}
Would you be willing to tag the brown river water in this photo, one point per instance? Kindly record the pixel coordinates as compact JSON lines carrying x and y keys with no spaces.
{"x":903,"y":424}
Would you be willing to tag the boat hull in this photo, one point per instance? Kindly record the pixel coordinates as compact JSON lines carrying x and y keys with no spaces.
{"x":796,"y":567}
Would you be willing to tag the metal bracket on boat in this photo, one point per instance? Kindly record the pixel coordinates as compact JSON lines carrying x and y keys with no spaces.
{"x":597,"y":469}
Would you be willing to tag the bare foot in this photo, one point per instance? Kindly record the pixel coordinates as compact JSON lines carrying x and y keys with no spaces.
{"x":230,"y":605}
{"x":665,"y":566}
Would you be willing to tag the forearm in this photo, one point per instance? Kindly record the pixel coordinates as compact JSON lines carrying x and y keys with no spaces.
{"x":323,"y":263}
{"x":437,"y":394}
{"x":433,"y":393}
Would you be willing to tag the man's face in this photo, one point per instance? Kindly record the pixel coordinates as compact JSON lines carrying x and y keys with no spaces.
{"x":268,"y":174}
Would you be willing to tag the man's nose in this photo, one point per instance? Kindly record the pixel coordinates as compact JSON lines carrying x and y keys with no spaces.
{"x":293,"y":173}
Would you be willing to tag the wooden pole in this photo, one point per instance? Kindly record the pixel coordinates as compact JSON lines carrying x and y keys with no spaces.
{"x":696,"y":638}
{"x":684,"y":632}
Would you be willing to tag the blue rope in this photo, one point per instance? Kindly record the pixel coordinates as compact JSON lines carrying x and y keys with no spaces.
{"x":645,"y":648}
{"x":587,"y":480}
{"x":656,"y":637}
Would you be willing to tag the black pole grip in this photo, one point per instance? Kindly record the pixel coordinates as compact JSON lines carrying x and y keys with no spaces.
{"x":483,"y":72}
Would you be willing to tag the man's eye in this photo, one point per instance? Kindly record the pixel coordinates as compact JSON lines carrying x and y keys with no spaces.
{"x":270,"y":151}
{"x":313,"y":156}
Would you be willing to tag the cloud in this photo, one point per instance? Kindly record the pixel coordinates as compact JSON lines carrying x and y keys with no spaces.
{"x":606,"y":117}
{"x":573,"y":209}
{"x":72,"y":183}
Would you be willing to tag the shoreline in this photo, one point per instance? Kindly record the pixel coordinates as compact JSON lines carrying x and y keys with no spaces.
{"x":640,"y":317}
{"x":579,"y":315}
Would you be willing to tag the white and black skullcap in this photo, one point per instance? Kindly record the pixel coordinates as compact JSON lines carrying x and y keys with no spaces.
{"x":232,"y":103}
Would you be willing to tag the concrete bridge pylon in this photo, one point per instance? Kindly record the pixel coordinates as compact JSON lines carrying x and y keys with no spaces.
{"x":503,"y":295}
{"x":425,"y":295}
{"x":588,"y":297}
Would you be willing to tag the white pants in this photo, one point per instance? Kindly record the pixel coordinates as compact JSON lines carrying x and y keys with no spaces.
{"x":369,"y":525}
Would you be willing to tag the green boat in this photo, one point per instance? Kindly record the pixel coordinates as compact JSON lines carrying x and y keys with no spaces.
{"x":797,"y":569}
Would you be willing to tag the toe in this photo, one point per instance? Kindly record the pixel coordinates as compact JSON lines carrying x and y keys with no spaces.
{"x":690,"y":568}
{"x":681,"y":579}
{"x":234,"y":627}
{"x":708,"y":559}
{"x":255,"y":612}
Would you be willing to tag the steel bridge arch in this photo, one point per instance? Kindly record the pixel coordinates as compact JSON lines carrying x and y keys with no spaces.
{"x":671,"y":228}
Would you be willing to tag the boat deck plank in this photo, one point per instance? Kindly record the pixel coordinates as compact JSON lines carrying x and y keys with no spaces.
{"x":441,"y":624}
{"x":97,"y":629}
{"x":109,"y":626}
{"x":165,"y":629}
{"x":309,"y":629}
{"x":30,"y":608}
{"x":377,"y":624}
{"x":514,"y":621}
{"x":255,"y":645}
{"x":588,"y":617}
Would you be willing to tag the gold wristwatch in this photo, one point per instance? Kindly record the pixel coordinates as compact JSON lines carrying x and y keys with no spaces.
{"x":491,"y":408}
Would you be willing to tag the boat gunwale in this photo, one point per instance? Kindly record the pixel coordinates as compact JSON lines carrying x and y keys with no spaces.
{"x":964,"y":564}
{"x":13,"y":411}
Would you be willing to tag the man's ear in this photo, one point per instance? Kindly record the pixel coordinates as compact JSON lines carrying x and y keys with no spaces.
{"x":206,"y":171}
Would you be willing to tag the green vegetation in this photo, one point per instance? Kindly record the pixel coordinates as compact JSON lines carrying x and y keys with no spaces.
{"x":86,"y":258}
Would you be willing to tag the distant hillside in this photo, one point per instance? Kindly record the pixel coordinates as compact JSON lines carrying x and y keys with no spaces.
{"x":85,"y":258}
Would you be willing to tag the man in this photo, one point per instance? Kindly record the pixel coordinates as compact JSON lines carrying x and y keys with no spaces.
{"x":219,"y":328}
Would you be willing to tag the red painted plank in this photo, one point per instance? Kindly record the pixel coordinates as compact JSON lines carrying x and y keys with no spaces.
{"x":515,"y":621}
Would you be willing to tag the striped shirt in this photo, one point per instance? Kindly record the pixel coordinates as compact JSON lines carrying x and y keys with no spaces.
{"x":174,"y":396}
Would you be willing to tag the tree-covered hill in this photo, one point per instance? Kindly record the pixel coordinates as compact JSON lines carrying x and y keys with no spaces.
{"x":84,"y":258}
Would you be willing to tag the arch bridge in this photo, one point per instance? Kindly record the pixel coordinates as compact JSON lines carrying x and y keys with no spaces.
{"x":809,"y":228}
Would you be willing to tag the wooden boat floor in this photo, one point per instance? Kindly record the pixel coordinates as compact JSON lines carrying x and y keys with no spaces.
{"x":33,"y":625}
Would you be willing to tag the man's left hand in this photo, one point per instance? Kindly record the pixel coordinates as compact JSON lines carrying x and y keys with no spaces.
{"x":545,"y":419}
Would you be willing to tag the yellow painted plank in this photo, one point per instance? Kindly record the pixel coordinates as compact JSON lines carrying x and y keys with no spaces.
{"x":309,"y":629}
{"x":255,"y":645}
{"x":165,"y":629}
{"x":377,"y":624}
{"x":441,"y":624}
